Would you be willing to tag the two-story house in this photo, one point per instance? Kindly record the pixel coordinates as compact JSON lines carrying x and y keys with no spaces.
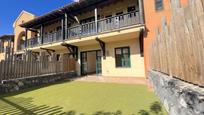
{"x":104,"y":36}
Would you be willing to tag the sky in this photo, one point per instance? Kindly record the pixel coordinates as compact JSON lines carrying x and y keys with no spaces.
{"x":10,"y":10}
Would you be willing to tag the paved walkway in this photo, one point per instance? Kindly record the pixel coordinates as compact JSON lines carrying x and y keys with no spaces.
{"x":105,"y":79}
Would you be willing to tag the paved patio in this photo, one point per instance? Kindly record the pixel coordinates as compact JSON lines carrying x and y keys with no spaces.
{"x":107,"y":79}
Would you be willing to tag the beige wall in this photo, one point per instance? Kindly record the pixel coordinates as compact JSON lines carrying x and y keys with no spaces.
{"x":108,"y":65}
{"x":23,"y":17}
{"x":2,"y":56}
{"x":137,"y":62}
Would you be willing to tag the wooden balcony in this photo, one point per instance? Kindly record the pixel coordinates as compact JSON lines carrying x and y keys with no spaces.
{"x":88,"y":29}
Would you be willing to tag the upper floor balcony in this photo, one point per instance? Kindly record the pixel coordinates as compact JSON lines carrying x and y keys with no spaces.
{"x":88,"y":29}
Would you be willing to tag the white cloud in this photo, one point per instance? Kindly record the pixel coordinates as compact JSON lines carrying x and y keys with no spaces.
{"x":76,"y":0}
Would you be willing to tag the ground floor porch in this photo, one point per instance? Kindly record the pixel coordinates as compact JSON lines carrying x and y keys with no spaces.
{"x":116,"y":54}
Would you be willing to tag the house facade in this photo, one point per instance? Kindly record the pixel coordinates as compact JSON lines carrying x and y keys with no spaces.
{"x":105,"y":37}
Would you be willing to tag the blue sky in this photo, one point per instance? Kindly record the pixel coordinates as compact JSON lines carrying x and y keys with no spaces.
{"x":10,"y":9}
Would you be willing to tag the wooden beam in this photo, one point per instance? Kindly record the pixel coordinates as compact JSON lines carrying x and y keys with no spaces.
{"x":35,"y":54}
{"x":33,"y":30}
{"x":48,"y":50}
{"x":103,"y":47}
{"x":73,"y":50}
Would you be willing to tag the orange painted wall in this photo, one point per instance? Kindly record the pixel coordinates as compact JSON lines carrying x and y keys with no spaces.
{"x":153,"y":21}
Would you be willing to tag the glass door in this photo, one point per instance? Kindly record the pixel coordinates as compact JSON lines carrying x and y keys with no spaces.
{"x":84,"y":64}
{"x":98,"y":63}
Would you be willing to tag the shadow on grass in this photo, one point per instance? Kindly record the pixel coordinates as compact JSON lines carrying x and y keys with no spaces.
{"x":32,"y":88}
{"x":24,"y":106}
{"x":155,"y":108}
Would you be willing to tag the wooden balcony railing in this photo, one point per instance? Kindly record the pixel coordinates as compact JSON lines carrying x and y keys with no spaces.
{"x":33,"y":42}
{"x":87,"y":29}
{"x":53,"y":37}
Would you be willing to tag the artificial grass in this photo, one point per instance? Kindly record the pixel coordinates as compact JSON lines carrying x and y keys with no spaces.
{"x":80,"y":98}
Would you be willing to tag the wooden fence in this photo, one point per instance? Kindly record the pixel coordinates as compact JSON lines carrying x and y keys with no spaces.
{"x":178,"y":49}
{"x":32,"y":67}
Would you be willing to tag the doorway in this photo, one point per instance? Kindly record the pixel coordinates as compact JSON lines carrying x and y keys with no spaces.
{"x":91,"y":62}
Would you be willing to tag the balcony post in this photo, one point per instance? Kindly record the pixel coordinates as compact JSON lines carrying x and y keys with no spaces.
{"x":62,"y":26}
{"x":141,"y":11}
{"x":66,"y":19}
{"x":96,"y":19}
{"x":41,"y":33}
{"x":26,"y":37}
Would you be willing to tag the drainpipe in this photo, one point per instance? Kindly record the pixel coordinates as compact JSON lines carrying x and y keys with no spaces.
{"x":141,"y":11}
{"x":26,"y":37}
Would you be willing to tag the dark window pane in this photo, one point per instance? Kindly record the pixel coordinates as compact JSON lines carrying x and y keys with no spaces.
{"x":58,"y":57}
{"x":158,"y":5}
{"x":122,"y":57}
{"x":131,"y":9}
{"x":118,"y":61}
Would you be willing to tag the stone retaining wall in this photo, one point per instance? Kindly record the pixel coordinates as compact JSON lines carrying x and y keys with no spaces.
{"x":19,"y":84}
{"x":178,"y":97}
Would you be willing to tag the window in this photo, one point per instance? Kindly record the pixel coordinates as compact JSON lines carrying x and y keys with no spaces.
{"x":90,"y":19}
{"x":58,"y":57}
{"x":158,"y":5}
{"x":122,"y":57}
{"x":131,"y":9}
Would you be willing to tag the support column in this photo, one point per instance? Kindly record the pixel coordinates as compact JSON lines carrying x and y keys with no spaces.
{"x":96,"y":19}
{"x":41,"y":33}
{"x":141,"y":11}
{"x":66,"y":23}
{"x":26,"y":38}
{"x":62,"y":26}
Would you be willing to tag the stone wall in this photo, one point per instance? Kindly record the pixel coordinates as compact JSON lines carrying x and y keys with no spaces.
{"x":19,"y":84}
{"x":178,"y":97}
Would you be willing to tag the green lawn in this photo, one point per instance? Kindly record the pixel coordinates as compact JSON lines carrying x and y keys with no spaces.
{"x":81,"y":98}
